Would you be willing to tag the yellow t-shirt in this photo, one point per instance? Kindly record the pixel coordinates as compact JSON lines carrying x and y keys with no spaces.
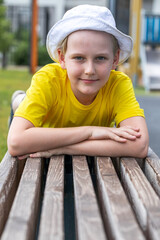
{"x":50,"y":102}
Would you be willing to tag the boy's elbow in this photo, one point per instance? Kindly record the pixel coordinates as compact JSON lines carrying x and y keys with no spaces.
{"x":143,"y":152}
{"x":142,"y":149}
{"x":13,"y":143}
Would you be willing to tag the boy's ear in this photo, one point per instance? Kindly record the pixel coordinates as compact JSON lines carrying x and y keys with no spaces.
{"x":61,"y":59}
{"x":115,"y":60}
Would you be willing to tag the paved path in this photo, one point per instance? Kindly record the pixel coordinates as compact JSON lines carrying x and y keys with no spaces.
{"x":151,"y":106}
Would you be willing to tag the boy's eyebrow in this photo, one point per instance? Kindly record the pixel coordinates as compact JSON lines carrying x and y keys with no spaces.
{"x":104,"y":53}
{"x":97,"y":54}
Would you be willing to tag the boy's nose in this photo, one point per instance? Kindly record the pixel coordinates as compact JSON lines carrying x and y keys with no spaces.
{"x":89,"y":68}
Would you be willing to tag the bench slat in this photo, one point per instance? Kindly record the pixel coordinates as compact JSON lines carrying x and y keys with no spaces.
{"x":119,"y":219}
{"x":52,"y":218}
{"x":21,"y":223}
{"x":8,"y":186}
{"x":88,"y":220}
{"x":145,"y":201}
{"x":152,"y":170}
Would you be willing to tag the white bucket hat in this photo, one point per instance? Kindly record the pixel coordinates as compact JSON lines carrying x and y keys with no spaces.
{"x":87,"y":17}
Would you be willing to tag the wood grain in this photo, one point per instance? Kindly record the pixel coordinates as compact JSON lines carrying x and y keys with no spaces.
{"x":21,"y":223}
{"x":152,"y":170}
{"x":145,"y":201}
{"x":8,"y":186}
{"x":120,"y":221}
{"x":88,"y":219}
{"x":52,"y":218}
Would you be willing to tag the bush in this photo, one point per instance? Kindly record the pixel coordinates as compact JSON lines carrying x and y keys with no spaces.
{"x":21,"y":54}
{"x":43,"y":57}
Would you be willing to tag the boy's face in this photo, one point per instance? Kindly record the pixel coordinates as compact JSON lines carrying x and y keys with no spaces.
{"x":88,"y":60}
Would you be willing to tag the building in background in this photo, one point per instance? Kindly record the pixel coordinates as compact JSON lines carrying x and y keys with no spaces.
{"x":49,"y":11}
{"x":150,"y":45}
{"x":141,"y":19}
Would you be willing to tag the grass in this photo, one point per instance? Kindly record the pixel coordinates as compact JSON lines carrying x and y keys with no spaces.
{"x":141,"y":91}
{"x":10,"y":81}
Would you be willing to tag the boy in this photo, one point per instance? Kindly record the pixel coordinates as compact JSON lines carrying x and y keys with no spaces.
{"x":72,"y":105}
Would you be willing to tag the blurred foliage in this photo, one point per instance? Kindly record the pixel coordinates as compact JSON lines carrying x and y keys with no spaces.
{"x":21,"y":54}
{"x":20,"y":43}
{"x":6,"y":37}
{"x":43,"y":57}
{"x":21,"y":51}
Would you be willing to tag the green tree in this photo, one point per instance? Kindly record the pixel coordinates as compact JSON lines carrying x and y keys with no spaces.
{"x":6,"y":37}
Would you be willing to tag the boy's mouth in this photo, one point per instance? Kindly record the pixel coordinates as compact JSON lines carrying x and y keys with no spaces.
{"x":88,"y":80}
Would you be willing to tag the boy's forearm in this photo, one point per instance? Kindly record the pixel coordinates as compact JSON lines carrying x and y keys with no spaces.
{"x":42,"y":139}
{"x":109,"y":148}
{"x":137,"y":148}
{"x":24,"y":138}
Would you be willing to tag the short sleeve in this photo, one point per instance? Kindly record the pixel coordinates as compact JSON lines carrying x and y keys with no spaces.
{"x":125,"y":103}
{"x":40,"y":97}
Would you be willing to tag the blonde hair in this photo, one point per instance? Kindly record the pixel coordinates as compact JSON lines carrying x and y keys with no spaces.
{"x":115,"y":44}
{"x":63,"y":45}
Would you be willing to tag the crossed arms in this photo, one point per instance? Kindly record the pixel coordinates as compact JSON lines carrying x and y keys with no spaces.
{"x":130,"y":139}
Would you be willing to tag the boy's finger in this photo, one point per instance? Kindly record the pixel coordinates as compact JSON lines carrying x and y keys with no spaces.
{"x":23,"y":157}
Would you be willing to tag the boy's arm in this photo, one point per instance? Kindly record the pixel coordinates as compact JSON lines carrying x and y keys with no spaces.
{"x":131,"y":148}
{"x":135,"y":147}
{"x":24,"y":138}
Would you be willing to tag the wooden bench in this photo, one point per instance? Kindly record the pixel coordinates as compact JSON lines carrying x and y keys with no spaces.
{"x":80,"y":197}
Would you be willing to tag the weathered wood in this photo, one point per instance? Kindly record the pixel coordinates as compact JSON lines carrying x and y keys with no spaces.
{"x":145,"y":201}
{"x":88,"y":219}
{"x":140,"y":162}
{"x":52,"y":218}
{"x":118,"y":216}
{"x":153,"y":224}
{"x":21,"y":223}
{"x":8,"y":186}
{"x":152,"y":170}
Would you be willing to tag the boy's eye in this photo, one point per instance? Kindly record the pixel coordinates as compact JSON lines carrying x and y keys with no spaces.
{"x":78,"y":58}
{"x":101,"y":58}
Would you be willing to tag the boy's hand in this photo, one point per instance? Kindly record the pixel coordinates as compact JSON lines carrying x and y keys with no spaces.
{"x":45,"y":154}
{"x":23,"y":157}
{"x":121,"y":134}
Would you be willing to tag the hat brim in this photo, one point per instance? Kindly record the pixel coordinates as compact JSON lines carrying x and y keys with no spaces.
{"x":65,"y":27}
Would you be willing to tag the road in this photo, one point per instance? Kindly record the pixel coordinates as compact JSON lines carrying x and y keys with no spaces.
{"x":151,"y":106}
